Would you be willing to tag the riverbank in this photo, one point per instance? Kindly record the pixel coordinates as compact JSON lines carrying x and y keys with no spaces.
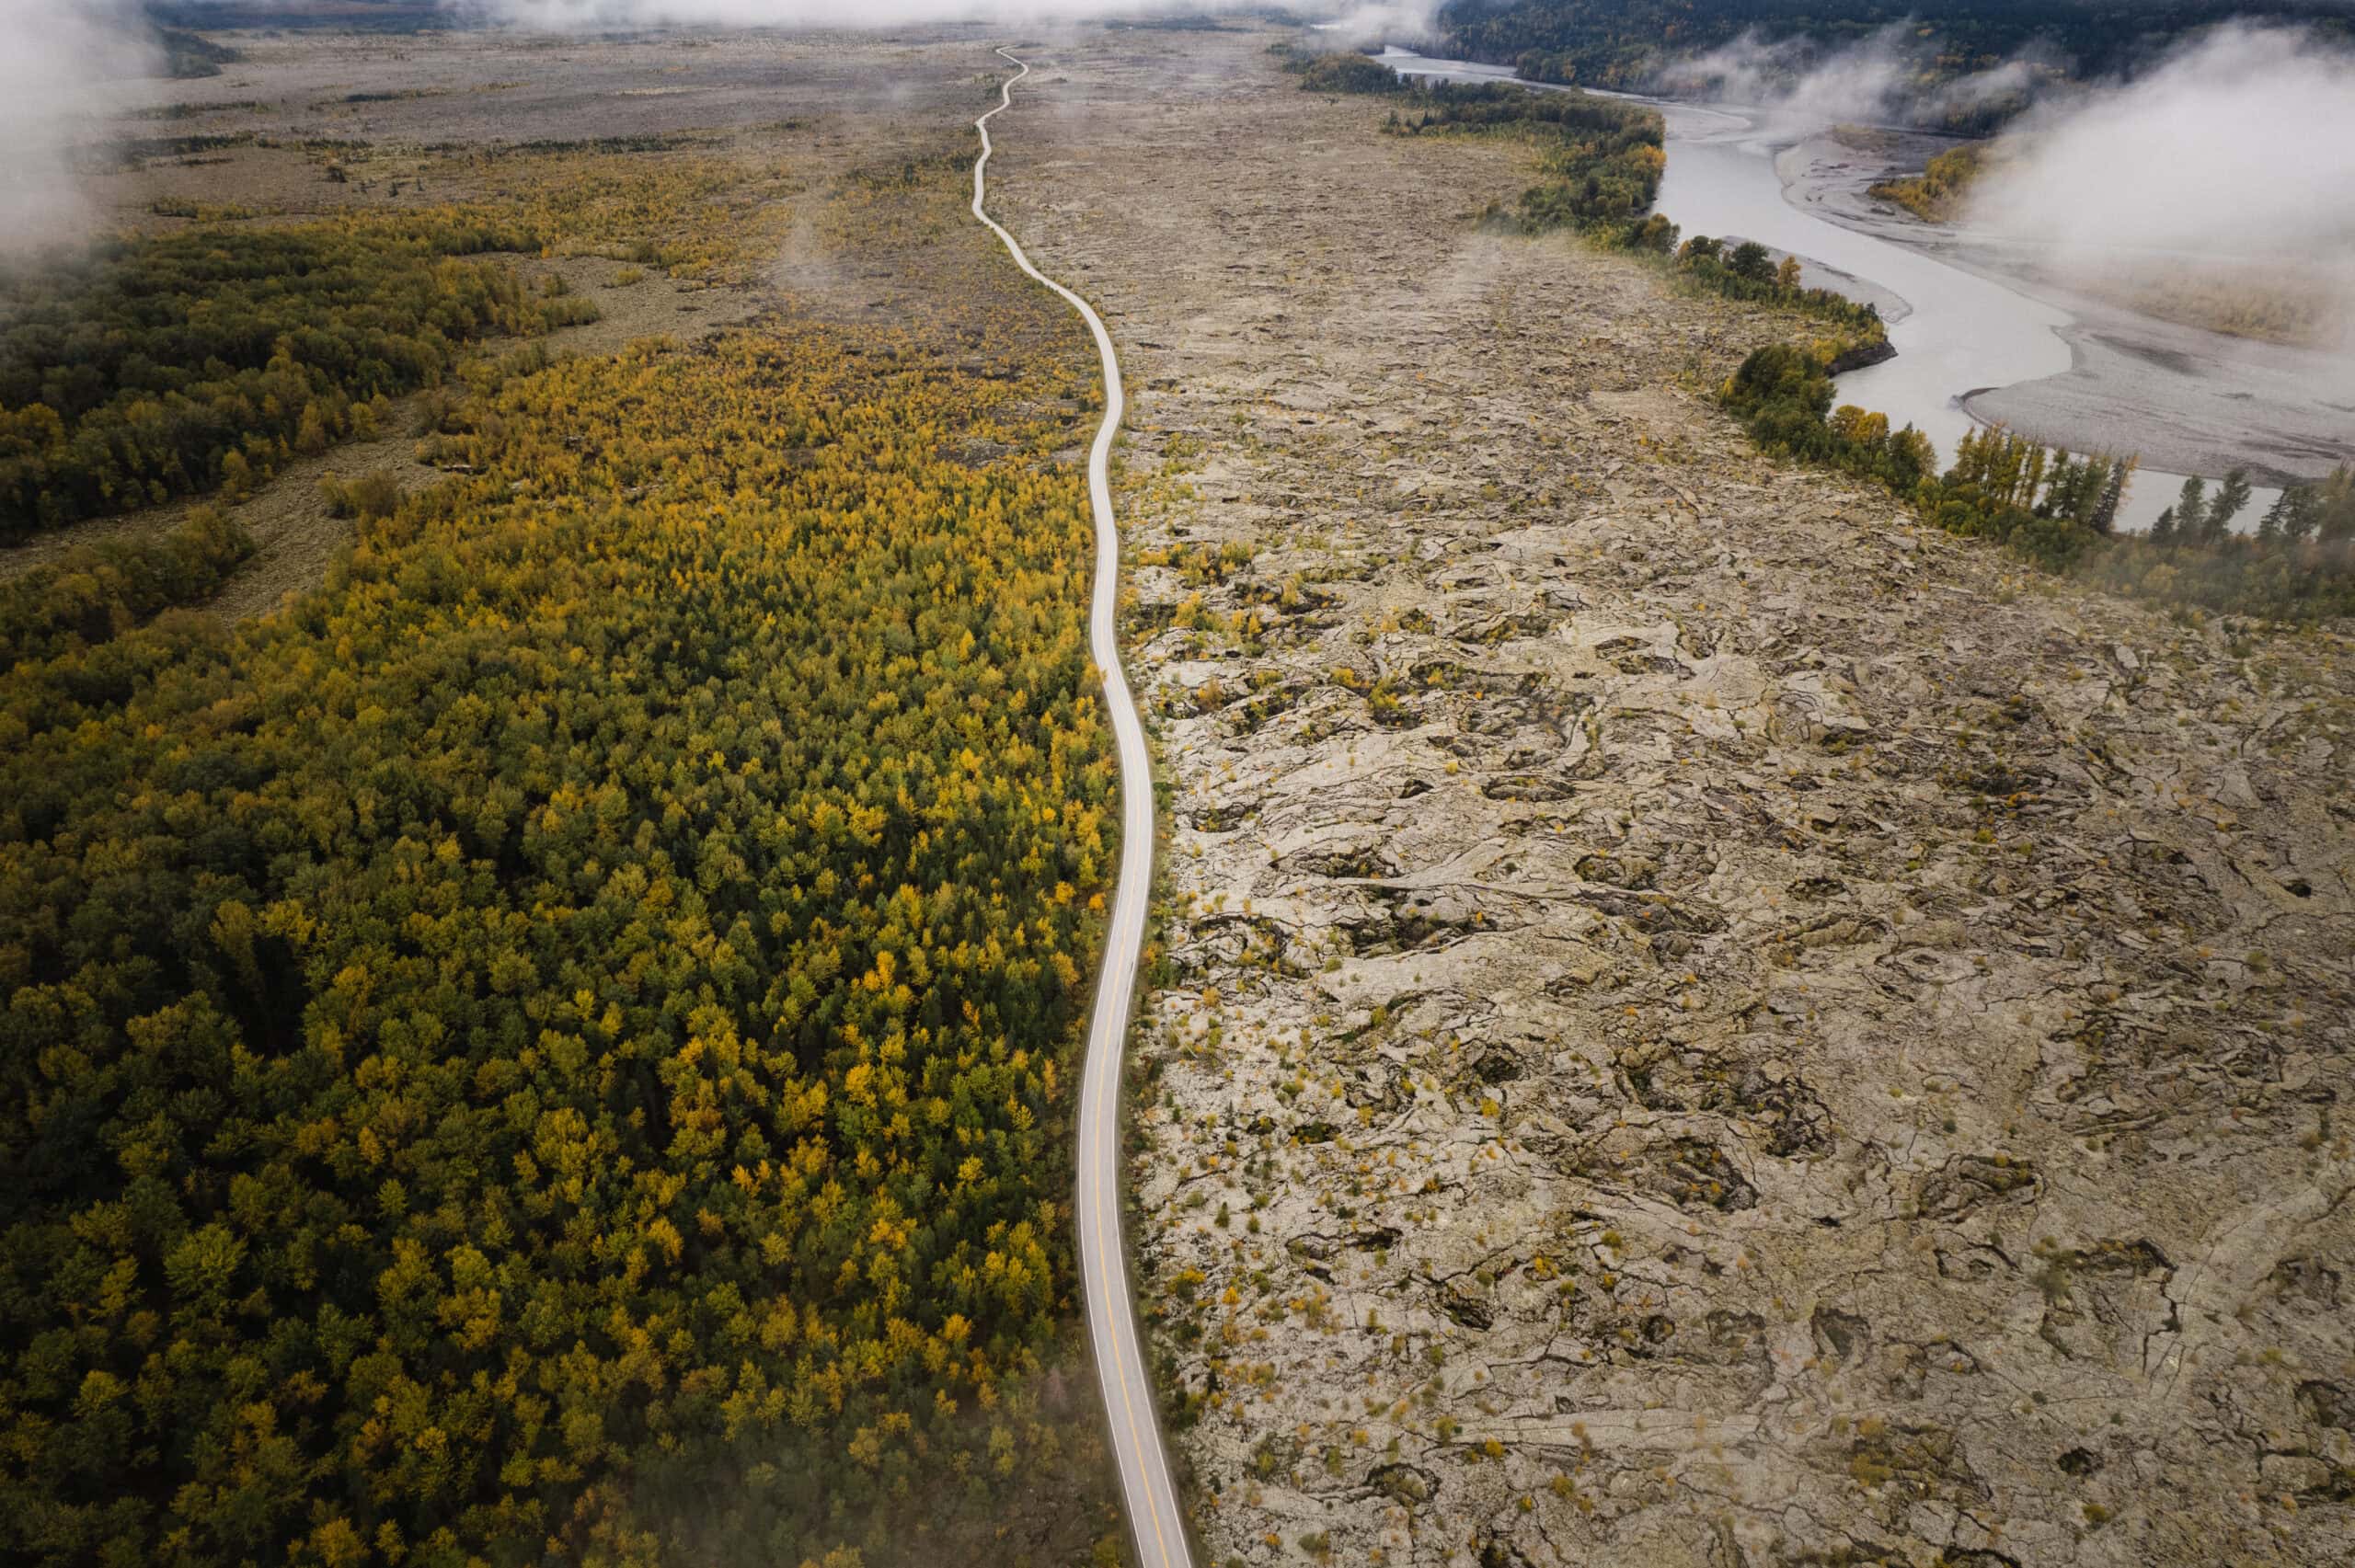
{"x":2187,"y":401}
{"x":1981,"y":336}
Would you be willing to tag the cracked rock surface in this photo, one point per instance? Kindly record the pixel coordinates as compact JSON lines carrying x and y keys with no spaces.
{"x":1701,"y":1022}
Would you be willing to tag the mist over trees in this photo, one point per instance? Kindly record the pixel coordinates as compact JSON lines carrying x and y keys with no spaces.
{"x":1634,"y":44}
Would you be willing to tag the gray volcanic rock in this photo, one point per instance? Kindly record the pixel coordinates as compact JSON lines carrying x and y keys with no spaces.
{"x":1704,"y":1022}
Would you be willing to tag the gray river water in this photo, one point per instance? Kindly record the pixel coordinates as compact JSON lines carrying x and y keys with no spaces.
{"x":1955,"y":332}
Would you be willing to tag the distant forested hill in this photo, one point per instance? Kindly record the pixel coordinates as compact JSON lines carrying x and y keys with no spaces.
{"x":358,"y":16}
{"x":1620,"y":43}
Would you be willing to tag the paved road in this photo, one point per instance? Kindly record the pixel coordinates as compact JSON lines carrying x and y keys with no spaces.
{"x":1137,"y":1449}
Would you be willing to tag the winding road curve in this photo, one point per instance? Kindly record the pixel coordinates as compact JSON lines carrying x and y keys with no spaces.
{"x":1137,"y":1449}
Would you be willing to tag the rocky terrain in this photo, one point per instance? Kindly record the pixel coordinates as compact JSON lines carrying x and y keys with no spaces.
{"x":1701,"y":1022}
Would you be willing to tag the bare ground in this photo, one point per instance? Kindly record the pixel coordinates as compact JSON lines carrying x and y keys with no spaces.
{"x":1704,"y":1024}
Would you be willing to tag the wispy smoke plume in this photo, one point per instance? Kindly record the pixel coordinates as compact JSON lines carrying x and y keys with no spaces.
{"x":57,"y":61}
{"x":1384,"y":21}
{"x":1794,"y":74}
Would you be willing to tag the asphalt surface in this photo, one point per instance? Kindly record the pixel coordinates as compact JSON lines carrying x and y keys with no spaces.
{"x":1146,"y":1483}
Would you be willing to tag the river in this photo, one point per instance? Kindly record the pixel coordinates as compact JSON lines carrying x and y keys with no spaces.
{"x":1957,"y":333}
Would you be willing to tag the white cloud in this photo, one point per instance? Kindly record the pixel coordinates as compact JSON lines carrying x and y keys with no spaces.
{"x":2240,"y":144}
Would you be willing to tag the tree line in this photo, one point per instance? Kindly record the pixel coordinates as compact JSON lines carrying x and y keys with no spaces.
{"x":2060,"y":509}
{"x":1636,"y":44}
{"x":180,"y":363}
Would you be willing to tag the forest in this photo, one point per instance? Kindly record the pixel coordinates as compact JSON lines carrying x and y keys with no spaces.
{"x":1626,"y":44}
{"x":574,"y":1006}
{"x":96,"y":592}
{"x":181,"y":363}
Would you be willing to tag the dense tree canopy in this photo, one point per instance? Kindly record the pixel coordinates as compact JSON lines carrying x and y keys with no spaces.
{"x":579,"y":990}
{"x":172,"y":365}
{"x":99,"y":590}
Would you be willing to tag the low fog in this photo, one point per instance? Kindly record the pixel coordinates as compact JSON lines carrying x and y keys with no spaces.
{"x":2223,"y":168}
{"x":2239,"y":146}
{"x":2240,"y":143}
{"x":61,"y":59}
{"x":66,"y":59}
{"x":1876,"y":80}
{"x":1364,"y":20}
